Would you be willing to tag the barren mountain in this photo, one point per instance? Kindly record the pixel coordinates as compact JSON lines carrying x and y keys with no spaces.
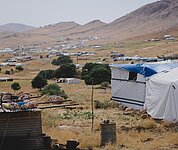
{"x":154,"y":17}
{"x":88,"y":27}
{"x":56,"y":28}
{"x":69,"y":28}
{"x":151,"y":18}
{"x":15,"y":27}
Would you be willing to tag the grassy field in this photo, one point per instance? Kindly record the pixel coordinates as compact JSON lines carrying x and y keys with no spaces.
{"x":133,"y":132}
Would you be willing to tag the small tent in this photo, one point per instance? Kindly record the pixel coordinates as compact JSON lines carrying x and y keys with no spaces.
{"x":161,"y":100}
{"x":129,"y":81}
{"x":69,"y":80}
{"x":72,"y":81}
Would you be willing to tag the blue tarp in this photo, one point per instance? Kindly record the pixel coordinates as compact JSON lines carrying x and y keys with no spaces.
{"x":147,"y":70}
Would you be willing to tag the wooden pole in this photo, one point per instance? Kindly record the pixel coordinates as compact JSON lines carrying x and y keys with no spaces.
{"x":55,"y":101}
{"x":77,"y":59}
{"x":92,"y":108}
{"x":55,"y":106}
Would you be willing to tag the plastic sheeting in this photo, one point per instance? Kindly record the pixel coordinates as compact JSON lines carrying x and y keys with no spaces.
{"x":161,"y":99}
{"x":147,"y":70}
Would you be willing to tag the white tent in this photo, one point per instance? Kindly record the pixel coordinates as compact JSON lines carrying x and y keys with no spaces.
{"x":161,"y":99}
{"x":72,"y":81}
{"x":129,"y":81}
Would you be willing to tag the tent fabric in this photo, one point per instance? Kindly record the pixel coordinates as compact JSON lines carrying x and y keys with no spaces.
{"x":147,"y":70}
{"x":161,"y":100}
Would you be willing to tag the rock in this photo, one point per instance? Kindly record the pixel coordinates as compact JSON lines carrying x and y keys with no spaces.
{"x":129,"y":109}
{"x":127,"y":113}
{"x":144,"y":116}
{"x":124,"y":128}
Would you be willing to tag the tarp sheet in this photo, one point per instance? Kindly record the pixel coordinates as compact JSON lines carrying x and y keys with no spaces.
{"x":147,"y":70}
{"x":161,"y":100}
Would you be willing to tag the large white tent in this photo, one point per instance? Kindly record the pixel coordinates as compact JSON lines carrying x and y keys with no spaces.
{"x":129,"y":81}
{"x":161,"y":100}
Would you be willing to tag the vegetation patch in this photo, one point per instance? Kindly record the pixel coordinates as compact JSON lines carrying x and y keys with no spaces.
{"x":68,"y":114}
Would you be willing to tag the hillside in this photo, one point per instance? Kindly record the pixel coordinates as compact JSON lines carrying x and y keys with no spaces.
{"x":15,"y":27}
{"x":151,"y":18}
{"x":88,"y":27}
{"x":56,"y":28}
{"x":68,"y":28}
{"x":157,"y":17}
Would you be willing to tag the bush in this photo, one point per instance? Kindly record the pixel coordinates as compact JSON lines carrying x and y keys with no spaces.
{"x":102,"y":105}
{"x":52,"y":89}
{"x":15,"y":86}
{"x":104,"y":85}
{"x":19,"y":68}
{"x":76,"y":115}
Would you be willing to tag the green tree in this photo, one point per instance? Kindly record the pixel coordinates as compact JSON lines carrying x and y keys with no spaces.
{"x":38,"y":82}
{"x":47,"y":74}
{"x":66,"y":71}
{"x":52,"y":89}
{"x":15,"y":86}
{"x":96,"y":73}
{"x":61,"y":60}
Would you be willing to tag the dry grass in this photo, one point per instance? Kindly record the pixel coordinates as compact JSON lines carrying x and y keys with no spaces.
{"x":132,"y":131}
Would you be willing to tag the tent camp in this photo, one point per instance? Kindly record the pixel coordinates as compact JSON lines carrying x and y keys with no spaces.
{"x":129,"y":81}
{"x":162,"y":95}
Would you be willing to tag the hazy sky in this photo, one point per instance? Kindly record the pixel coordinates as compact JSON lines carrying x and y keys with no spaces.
{"x":44,"y":12}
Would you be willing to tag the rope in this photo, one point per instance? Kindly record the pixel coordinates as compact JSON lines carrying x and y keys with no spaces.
{"x":2,"y":142}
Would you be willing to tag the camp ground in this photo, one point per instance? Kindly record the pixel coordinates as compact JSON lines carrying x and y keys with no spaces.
{"x":152,"y":86}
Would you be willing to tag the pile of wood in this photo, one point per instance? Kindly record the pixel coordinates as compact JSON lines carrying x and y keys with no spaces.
{"x":25,"y":101}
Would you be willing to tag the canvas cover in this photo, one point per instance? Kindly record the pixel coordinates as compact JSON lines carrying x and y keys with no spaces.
{"x":161,"y":99}
{"x":147,"y":69}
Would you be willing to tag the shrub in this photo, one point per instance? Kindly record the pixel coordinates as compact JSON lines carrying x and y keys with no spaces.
{"x":19,"y":68}
{"x":15,"y":86}
{"x":76,"y":115}
{"x":149,"y":124}
{"x":52,"y":89}
{"x":104,"y":85}
{"x":102,"y":105}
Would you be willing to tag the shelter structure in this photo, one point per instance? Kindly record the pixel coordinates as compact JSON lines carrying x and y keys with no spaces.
{"x":129,"y":81}
{"x":161,"y":99}
{"x":69,"y":80}
{"x":22,"y":130}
